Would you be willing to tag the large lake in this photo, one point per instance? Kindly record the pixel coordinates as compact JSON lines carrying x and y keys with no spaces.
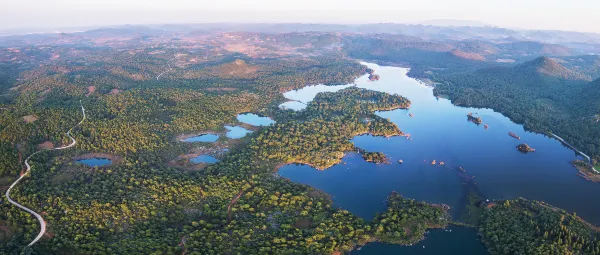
{"x":440,"y":131}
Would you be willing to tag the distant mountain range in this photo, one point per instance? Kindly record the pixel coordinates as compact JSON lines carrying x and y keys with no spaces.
{"x":453,"y":23}
{"x":435,"y":29}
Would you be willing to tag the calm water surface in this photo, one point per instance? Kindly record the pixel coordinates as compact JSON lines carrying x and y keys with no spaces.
{"x":453,"y":240}
{"x":95,"y":162}
{"x":235,"y":132}
{"x":255,"y":120}
{"x":207,"y":138}
{"x":440,"y":131}
{"x":293,"y":105}
{"x":204,"y":159}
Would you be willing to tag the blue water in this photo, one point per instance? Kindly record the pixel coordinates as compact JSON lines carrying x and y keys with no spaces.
{"x":440,"y":131}
{"x":362,"y":187}
{"x":293,"y":105}
{"x":207,"y":138}
{"x":95,"y":162}
{"x":460,"y":241}
{"x":235,"y":132}
{"x":306,"y":94}
{"x":204,"y":159}
{"x":255,"y":120}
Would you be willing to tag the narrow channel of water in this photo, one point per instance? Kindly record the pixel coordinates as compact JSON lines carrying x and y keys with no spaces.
{"x":255,"y":120}
{"x":236,"y":132}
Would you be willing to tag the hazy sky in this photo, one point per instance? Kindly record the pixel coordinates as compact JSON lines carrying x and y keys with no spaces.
{"x":576,"y":15}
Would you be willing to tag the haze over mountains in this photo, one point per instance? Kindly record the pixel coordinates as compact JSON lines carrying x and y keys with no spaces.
{"x":435,"y":30}
{"x":485,"y":59}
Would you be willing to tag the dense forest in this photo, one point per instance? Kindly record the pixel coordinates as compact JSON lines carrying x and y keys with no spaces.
{"x":406,"y":220}
{"x":521,"y":226}
{"x":142,"y":204}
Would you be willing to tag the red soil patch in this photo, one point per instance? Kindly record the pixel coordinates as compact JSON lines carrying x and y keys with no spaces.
{"x":137,"y":77}
{"x":7,"y":233}
{"x":30,"y":118}
{"x":91,"y":90}
{"x":115,"y":91}
{"x":467,"y":55}
{"x":45,"y":145}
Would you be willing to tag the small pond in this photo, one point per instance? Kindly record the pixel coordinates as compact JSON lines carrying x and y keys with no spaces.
{"x":204,"y":159}
{"x":235,"y":132}
{"x":93,"y":162}
{"x":255,"y":120}
{"x":206,"y":138}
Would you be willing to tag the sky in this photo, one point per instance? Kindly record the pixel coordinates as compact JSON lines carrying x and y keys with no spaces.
{"x":570,"y":15}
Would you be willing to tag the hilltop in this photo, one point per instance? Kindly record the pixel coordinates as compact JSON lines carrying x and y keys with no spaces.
{"x":547,"y":66}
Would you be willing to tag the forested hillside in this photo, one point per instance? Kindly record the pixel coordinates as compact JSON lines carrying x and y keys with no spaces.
{"x":521,"y":226}
{"x":541,"y":94}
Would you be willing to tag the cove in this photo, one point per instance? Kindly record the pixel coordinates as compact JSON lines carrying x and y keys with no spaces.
{"x":440,"y":131}
{"x":453,"y":240}
{"x":206,"y":138}
{"x":93,"y":162}
{"x":293,"y":105}
{"x":204,"y":159}
{"x":255,"y":120}
{"x":235,"y":132}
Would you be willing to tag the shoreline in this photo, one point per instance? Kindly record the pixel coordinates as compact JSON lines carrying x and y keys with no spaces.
{"x":584,"y":171}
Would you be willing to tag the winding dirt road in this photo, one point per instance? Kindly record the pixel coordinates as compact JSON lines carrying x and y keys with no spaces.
{"x":170,"y":68}
{"x":39,"y":217}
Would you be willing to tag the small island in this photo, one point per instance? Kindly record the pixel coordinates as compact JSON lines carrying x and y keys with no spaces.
{"x":514,"y":135}
{"x":406,"y":221}
{"x":375,"y":157}
{"x":372,"y":75}
{"x":476,"y":120}
{"x":525,"y":148}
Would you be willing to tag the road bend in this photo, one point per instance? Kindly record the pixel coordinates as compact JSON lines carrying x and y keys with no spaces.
{"x":37,"y":215}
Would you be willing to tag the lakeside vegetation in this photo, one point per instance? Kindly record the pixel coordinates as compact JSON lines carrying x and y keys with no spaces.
{"x":521,"y":226}
{"x":405,"y":221}
{"x":375,"y":157}
{"x":543,"y":101}
{"x":143,"y":204}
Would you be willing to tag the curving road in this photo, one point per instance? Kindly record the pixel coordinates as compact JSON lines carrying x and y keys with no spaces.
{"x":170,"y":68}
{"x":578,"y":151}
{"x":39,"y":217}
